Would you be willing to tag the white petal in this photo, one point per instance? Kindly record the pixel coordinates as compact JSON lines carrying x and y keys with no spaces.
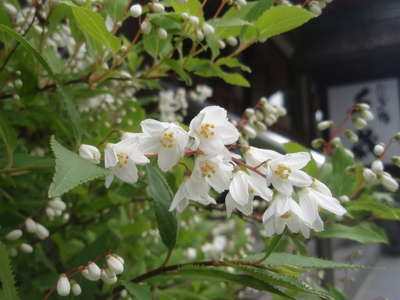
{"x":179,"y":197}
{"x":239,"y":188}
{"x":128,"y":173}
{"x":308,"y":205}
{"x":331,"y":204}
{"x":229,"y":204}
{"x":109,"y":180}
{"x":167,"y":158}
{"x":300,"y":178}
{"x":283,"y":186}
{"x":255,"y":156}
{"x":321,"y":187}
{"x":260,"y":187}
{"x":296,"y":160}
{"x":150,"y":144}
{"x":228,"y":133}
{"x":110,"y":157}
{"x":153,"y":127}
{"x":213,"y":114}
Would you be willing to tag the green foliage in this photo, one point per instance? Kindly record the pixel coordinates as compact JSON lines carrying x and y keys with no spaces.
{"x":140,"y":292}
{"x":6,"y":276}
{"x":162,"y":196}
{"x":364,"y":232}
{"x":312,"y":167}
{"x":9,"y":138}
{"x":71,"y":170}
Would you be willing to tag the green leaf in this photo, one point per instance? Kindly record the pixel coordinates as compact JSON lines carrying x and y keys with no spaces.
{"x":154,"y":45}
{"x":9,"y":136}
{"x":312,"y":167}
{"x":192,"y":7}
{"x":281,"y":280}
{"x":377,"y":209}
{"x":178,"y":69}
{"x":234,"y":78}
{"x":245,"y":280}
{"x":281,"y":19}
{"x":232,"y":62}
{"x":71,"y":109}
{"x":162,"y":195}
{"x":92,"y":23}
{"x":255,"y":12}
{"x":277,"y":259}
{"x":71,"y":170}
{"x":115,"y":8}
{"x":364,"y":232}
{"x":140,"y":291}
{"x":6,"y":275}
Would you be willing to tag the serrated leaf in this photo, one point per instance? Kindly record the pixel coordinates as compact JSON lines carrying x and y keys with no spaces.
{"x":6,"y":275}
{"x":245,"y":280}
{"x":71,"y":170}
{"x":139,"y":291}
{"x":71,"y":109}
{"x":364,"y":232}
{"x":93,"y":24}
{"x":281,"y":280}
{"x":312,"y":167}
{"x":162,"y":196}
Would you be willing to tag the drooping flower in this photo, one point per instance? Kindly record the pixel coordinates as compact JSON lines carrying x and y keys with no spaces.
{"x":212,"y":130}
{"x":122,"y":158}
{"x":284,"y":172}
{"x":192,"y":188}
{"x":242,"y":190}
{"x":168,"y":140}
{"x":282,"y":212}
{"x":90,"y":153}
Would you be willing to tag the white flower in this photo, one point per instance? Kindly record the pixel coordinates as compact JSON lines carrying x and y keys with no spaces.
{"x":94,"y":271}
{"x":30,"y":225}
{"x":212,"y":130}
{"x":282,"y":212}
{"x":284,"y":172}
{"x":63,"y":285}
{"x":242,"y":190}
{"x":191,"y":189}
{"x":108,"y":276}
{"x":26,"y":248}
{"x":318,"y":196}
{"x":114,"y":264}
{"x":215,"y":170}
{"x":136,"y":10}
{"x":14,"y":235}
{"x":122,"y":159}
{"x":90,"y":153}
{"x":76,"y":288}
{"x":165,"y":139}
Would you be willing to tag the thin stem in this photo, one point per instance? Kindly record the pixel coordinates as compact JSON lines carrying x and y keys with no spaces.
{"x":240,"y":162}
{"x":167,"y":257}
{"x":221,"y":6}
{"x":391,"y":142}
{"x":107,"y":136}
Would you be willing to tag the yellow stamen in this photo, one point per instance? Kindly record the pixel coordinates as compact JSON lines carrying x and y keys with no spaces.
{"x":207,"y":170}
{"x":286,"y":215}
{"x":122,"y":160}
{"x":167,"y":140}
{"x":282,"y":171}
{"x":206,"y":130}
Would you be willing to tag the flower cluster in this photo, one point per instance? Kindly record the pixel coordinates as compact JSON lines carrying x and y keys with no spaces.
{"x":274,"y":177}
{"x":92,"y":272}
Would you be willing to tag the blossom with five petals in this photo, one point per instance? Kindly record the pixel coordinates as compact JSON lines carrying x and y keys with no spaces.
{"x":168,"y":140}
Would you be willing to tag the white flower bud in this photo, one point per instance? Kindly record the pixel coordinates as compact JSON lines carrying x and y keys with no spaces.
{"x":194,"y":20}
{"x":199,"y":35}
{"x":26,"y":248}
{"x":389,"y":182}
{"x":41,"y":232}
{"x":63,"y":285}
{"x":11,"y":9}
{"x":241,"y":3}
{"x":119,"y":258}
{"x":367,"y":115}
{"x":124,"y":293}
{"x":108,"y":276}
{"x":136,"y":10}
{"x":324,"y":125}
{"x":191,"y":253}
{"x":249,"y":131}
{"x":185,"y":15}
{"x":397,"y":136}
{"x":377,"y":166}
{"x":14,"y":235}
{"x":362,"y":106}
{"x":351,"y":136}
{"x":57,"y":204}
{"x":157,"y":7}
{"x":368,"y":175}
{"x":30,"y":225}
{"x":379,"y":149}
{"x":145,"y":27}
{"x":336,"y":142}
{"x":94,"y":271}
{"x":85,"y":273}
{"x":50,"y":212}
{"x":316,"y":9}
{"x":281,"y":111}
{"x":260,"y":126}
{"x":114,"y":264}
{"x":359,"y":123}
{"x":232,"y":41}
{"x":396,"y":160}
{"x":90,"y":153}
{"x":344,"y":198}
{"x":349,"y":153}
{"x":162,"y":34}
{"x":221,"y":44}
{"x":317,"y":143}
{"x":208,"y":29}
{"x":76,"y":288}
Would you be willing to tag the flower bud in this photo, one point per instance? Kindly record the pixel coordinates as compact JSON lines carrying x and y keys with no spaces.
{"x":108,"y":276}
{"x":315,"y":9}
{"x":145,"y":27}
{"x":194,"y":20}
{"x":26,"y":248}
{"x":114,"y":264}
{"x":14,"y":235}
{"x":63,"y":285}
{"x":241,"y":3}
{"x":396,"y":160}
{"x":136,"y":10}
{"x":389,"y":182}
{"x":41,"y":232}
{"x":377,"y":166}
{"x":362,"y":106}
{"x":57,"y":204}
{"x":281,"y":111}
{"x":397,"y":136}
{"x":351,"y":136}
{"x":85,"y":273}
{"x":157,"y":7}
{"x":199,"y":35}
{"x":379,"y":149}
{"x":249,"y":112}
{"x":90,"y":153}
{"x":232,"y":41}
{"x":50,"y":212}
{"x":181,"y":1}
{"x":221,"y":44}
{"x":185,"y":15}
{"x":317,"y":143}
{"x":324,"y":125}
{"x":349,"y":153}
{"x":208,"y":29}
{"x":260,"y":126}
{"x":359,"y":123}
{"x":344,"y":198}
{"x":249,"y":131}
{"x":94,"y":271}
{"x":368,"y":175}
{"x":30,"y":225}
{"x":162,"y":34}
{"x":191,"y":253}
{"x":76,"y":288}
{"x":119,"y":258}
{"x":366,"y":115}
{"x":336,"y":142}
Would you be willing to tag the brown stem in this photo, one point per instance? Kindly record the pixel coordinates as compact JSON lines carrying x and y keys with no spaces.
{"x":221,"y":6}
{"x":254,"y":169}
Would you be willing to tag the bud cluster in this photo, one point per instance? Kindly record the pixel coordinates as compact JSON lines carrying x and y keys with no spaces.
{"x":361,"y":115}
{"x":56,"y":208}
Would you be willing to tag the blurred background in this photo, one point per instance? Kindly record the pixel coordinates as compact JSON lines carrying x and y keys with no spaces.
{"x":350,"y":54}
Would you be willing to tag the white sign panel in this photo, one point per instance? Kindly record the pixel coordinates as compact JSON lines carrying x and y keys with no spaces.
{"x":383,"y":97}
